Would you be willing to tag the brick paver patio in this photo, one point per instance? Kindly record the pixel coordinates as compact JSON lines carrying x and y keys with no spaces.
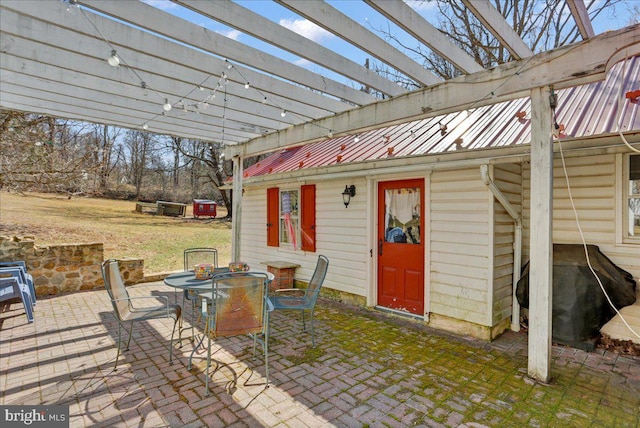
{"x":368,"y":370}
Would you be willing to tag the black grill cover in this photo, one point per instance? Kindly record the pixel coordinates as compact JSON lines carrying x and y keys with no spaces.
{"x":580,"y":308}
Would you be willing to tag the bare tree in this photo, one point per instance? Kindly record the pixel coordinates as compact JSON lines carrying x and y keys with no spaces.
{"x":138,"y":145}
{"x":542,"y":25}
{"x":203,"y":162}
{"x":43,"y":153}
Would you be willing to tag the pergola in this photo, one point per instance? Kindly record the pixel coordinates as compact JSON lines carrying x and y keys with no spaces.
{"x":175,"y":77}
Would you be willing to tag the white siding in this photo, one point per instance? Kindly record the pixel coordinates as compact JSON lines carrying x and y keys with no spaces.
{"x":508,"y":178}
{"x":593,"y":187}
{"x":341,"y":235}
{"x":460,"y":245}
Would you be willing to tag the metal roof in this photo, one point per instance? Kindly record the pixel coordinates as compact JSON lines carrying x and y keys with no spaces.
{"x":583,"y":111}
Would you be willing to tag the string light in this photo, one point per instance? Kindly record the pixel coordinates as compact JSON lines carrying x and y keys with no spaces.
{"x":113,"y":60}
{"x":72,"y":5}
{"x":330,"y":134}
{"x":356,"y":139}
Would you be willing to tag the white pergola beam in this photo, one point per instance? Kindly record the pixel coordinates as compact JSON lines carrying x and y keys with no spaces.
{"x":411,"y":22}
{"x":174,"y":28}
{"x":53,"y":96}
{"x":541,"y":243}
{"x":136,"y":109}
{"x":27,"y":73}
{"x":581,"y":17}
{"x":158,"y":57}
{"x":568,"y":66}
{"x":67,"y":43}
{"x":499,"y":27}
{"x":268,"y":31}
{"x":334,"y":21}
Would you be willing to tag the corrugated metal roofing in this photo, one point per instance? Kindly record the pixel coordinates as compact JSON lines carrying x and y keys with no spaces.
{"x":584,"y":111}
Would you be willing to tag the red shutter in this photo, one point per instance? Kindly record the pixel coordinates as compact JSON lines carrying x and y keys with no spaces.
{"x":308,"y":220}
{"x":273,"y":216}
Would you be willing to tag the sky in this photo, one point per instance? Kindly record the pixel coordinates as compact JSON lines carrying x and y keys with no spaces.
{"x":617,"y":18}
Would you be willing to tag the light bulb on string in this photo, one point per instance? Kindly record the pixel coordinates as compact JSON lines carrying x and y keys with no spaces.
{"x":145,"y":126}
{"x":166,"y":106}
{"x":246,"y":85}
{"x":264,"y":101}
{"x":283,"y":113}
{"x":72,"y":5}
{"x":113,"y":60}
{"x":201,"y":88}
{"x":330,"y":134}
{"x":356,"y":139}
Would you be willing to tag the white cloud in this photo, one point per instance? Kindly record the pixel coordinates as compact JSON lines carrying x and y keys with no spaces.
{"x":232,"y":34}
{"x":306,"y":28}
{"x":303,"y":63}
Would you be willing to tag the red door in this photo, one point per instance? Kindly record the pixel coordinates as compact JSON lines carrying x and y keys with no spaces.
{"x":401,"y":245}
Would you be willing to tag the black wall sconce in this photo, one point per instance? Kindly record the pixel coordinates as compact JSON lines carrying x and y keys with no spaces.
{"x":349,"y":192}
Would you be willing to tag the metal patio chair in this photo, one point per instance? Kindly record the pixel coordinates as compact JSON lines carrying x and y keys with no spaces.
{"x":302,"y":299}
{"x":192,"y":257}
{"x":239,"y":306}
{"x":12,"y":288}
{"x":123,"y":306}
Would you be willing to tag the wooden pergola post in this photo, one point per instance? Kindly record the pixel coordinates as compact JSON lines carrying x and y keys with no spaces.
{"x":541,"y":251}
{"x":236,"y":205}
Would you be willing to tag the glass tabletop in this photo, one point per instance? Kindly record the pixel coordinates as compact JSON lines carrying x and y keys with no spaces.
{"x":187,"y":280}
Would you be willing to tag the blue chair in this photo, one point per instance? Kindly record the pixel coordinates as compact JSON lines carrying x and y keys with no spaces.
{"x":302,"y":299}
{"x":28,"y":278}
{"x":12,"y":288}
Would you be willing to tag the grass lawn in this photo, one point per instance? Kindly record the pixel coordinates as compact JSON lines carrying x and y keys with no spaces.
{"x":159,"y":240}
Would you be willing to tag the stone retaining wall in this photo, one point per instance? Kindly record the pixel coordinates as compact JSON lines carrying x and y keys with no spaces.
{"x":66,"y":267}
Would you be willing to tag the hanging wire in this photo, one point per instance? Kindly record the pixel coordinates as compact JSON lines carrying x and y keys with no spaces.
{"x":554,"y":104}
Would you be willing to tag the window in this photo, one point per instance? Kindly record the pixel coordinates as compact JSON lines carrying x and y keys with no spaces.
{"x":402,"y":215}
{"x":289,"y":220}
{"x":632,"y":194}
{"x":291,"y":217}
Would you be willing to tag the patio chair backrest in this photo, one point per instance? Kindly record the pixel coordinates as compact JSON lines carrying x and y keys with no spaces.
{"x":194,"y":256}
{"x":114,"y":283}
{"x":15,"y":263}
{"x":315,"y":283}
{"x":239,"y":303}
